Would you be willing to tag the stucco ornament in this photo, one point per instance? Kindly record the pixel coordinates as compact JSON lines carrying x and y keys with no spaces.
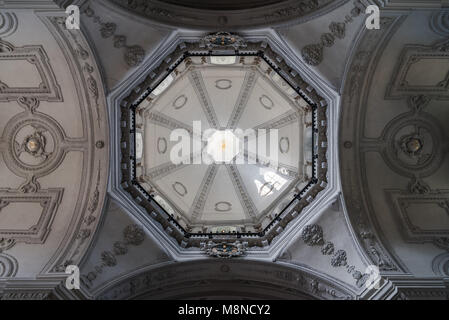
{"x":224,"y":250}
{"x":313,"y":235}
{"x":223,"y":39}
{"x":134,"y":234}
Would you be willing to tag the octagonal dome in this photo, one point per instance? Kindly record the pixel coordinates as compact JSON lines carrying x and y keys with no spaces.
{"x":223,"y":145}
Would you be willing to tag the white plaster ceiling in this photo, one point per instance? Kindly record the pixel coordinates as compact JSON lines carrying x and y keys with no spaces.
{"x":53,"y":142}
{"x":368,"y":228}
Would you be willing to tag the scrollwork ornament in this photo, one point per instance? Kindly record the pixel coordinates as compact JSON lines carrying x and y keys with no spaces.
{"x":3,"y":204}
{"x":8,"y":266}
{"x":30,"y":104}
{"x":442,"y":242}
{"x":30,"y":186}
{"x":418,"y":103}
{"x":6,"y":244}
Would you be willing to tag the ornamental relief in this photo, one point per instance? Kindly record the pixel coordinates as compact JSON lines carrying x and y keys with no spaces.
{"x":133,"y":235}
{"x":313,"y":53}
{"x":44,"y":201}
{"x":32,"y":59}
{"x":88,"y":81}
{"x":33,"y":144}
{"x":413,"y":145}
{"x":31,"y":149}
{"x":414,"y":141}
{"x":359,"y":207}
{"x":312,"y":235}
{"x":422,"y":217}
{"x":8,"y":266}
{"x":134,"y":54}
{"x":416,"y":59}
{"x":286,"y":12}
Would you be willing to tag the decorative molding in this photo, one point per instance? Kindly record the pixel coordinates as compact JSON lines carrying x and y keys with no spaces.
{"x":402,"y":204}
{"x":8,"y":24}
{"x":180,"y":58}
{"x":440,"y":265}
{"x":410,"y":57}
{"x":313,"y":53}
{"x":239,"y":186}
{"x":6,"y":244}
{"x":223,"y":39}
{"x":287,"y":12}
{"x":47,"y":89}
{"x":35,"y":295}
{"x":133,"y":235}
{"x":204,"y":189}
{"x":133,"y":55}
{"x":439,"y":22}
{"x":8,"y":266}
{"x":200,"y":88}
{"x":47,"y":200}
{"x":370,"y":45}
{"x":247,"y":87}
{"x":88,"y":83}
{"x":312,"y":235}
{"x":224,"y":249}
{"x":422,"y":294}
{"x":419,"y":153}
